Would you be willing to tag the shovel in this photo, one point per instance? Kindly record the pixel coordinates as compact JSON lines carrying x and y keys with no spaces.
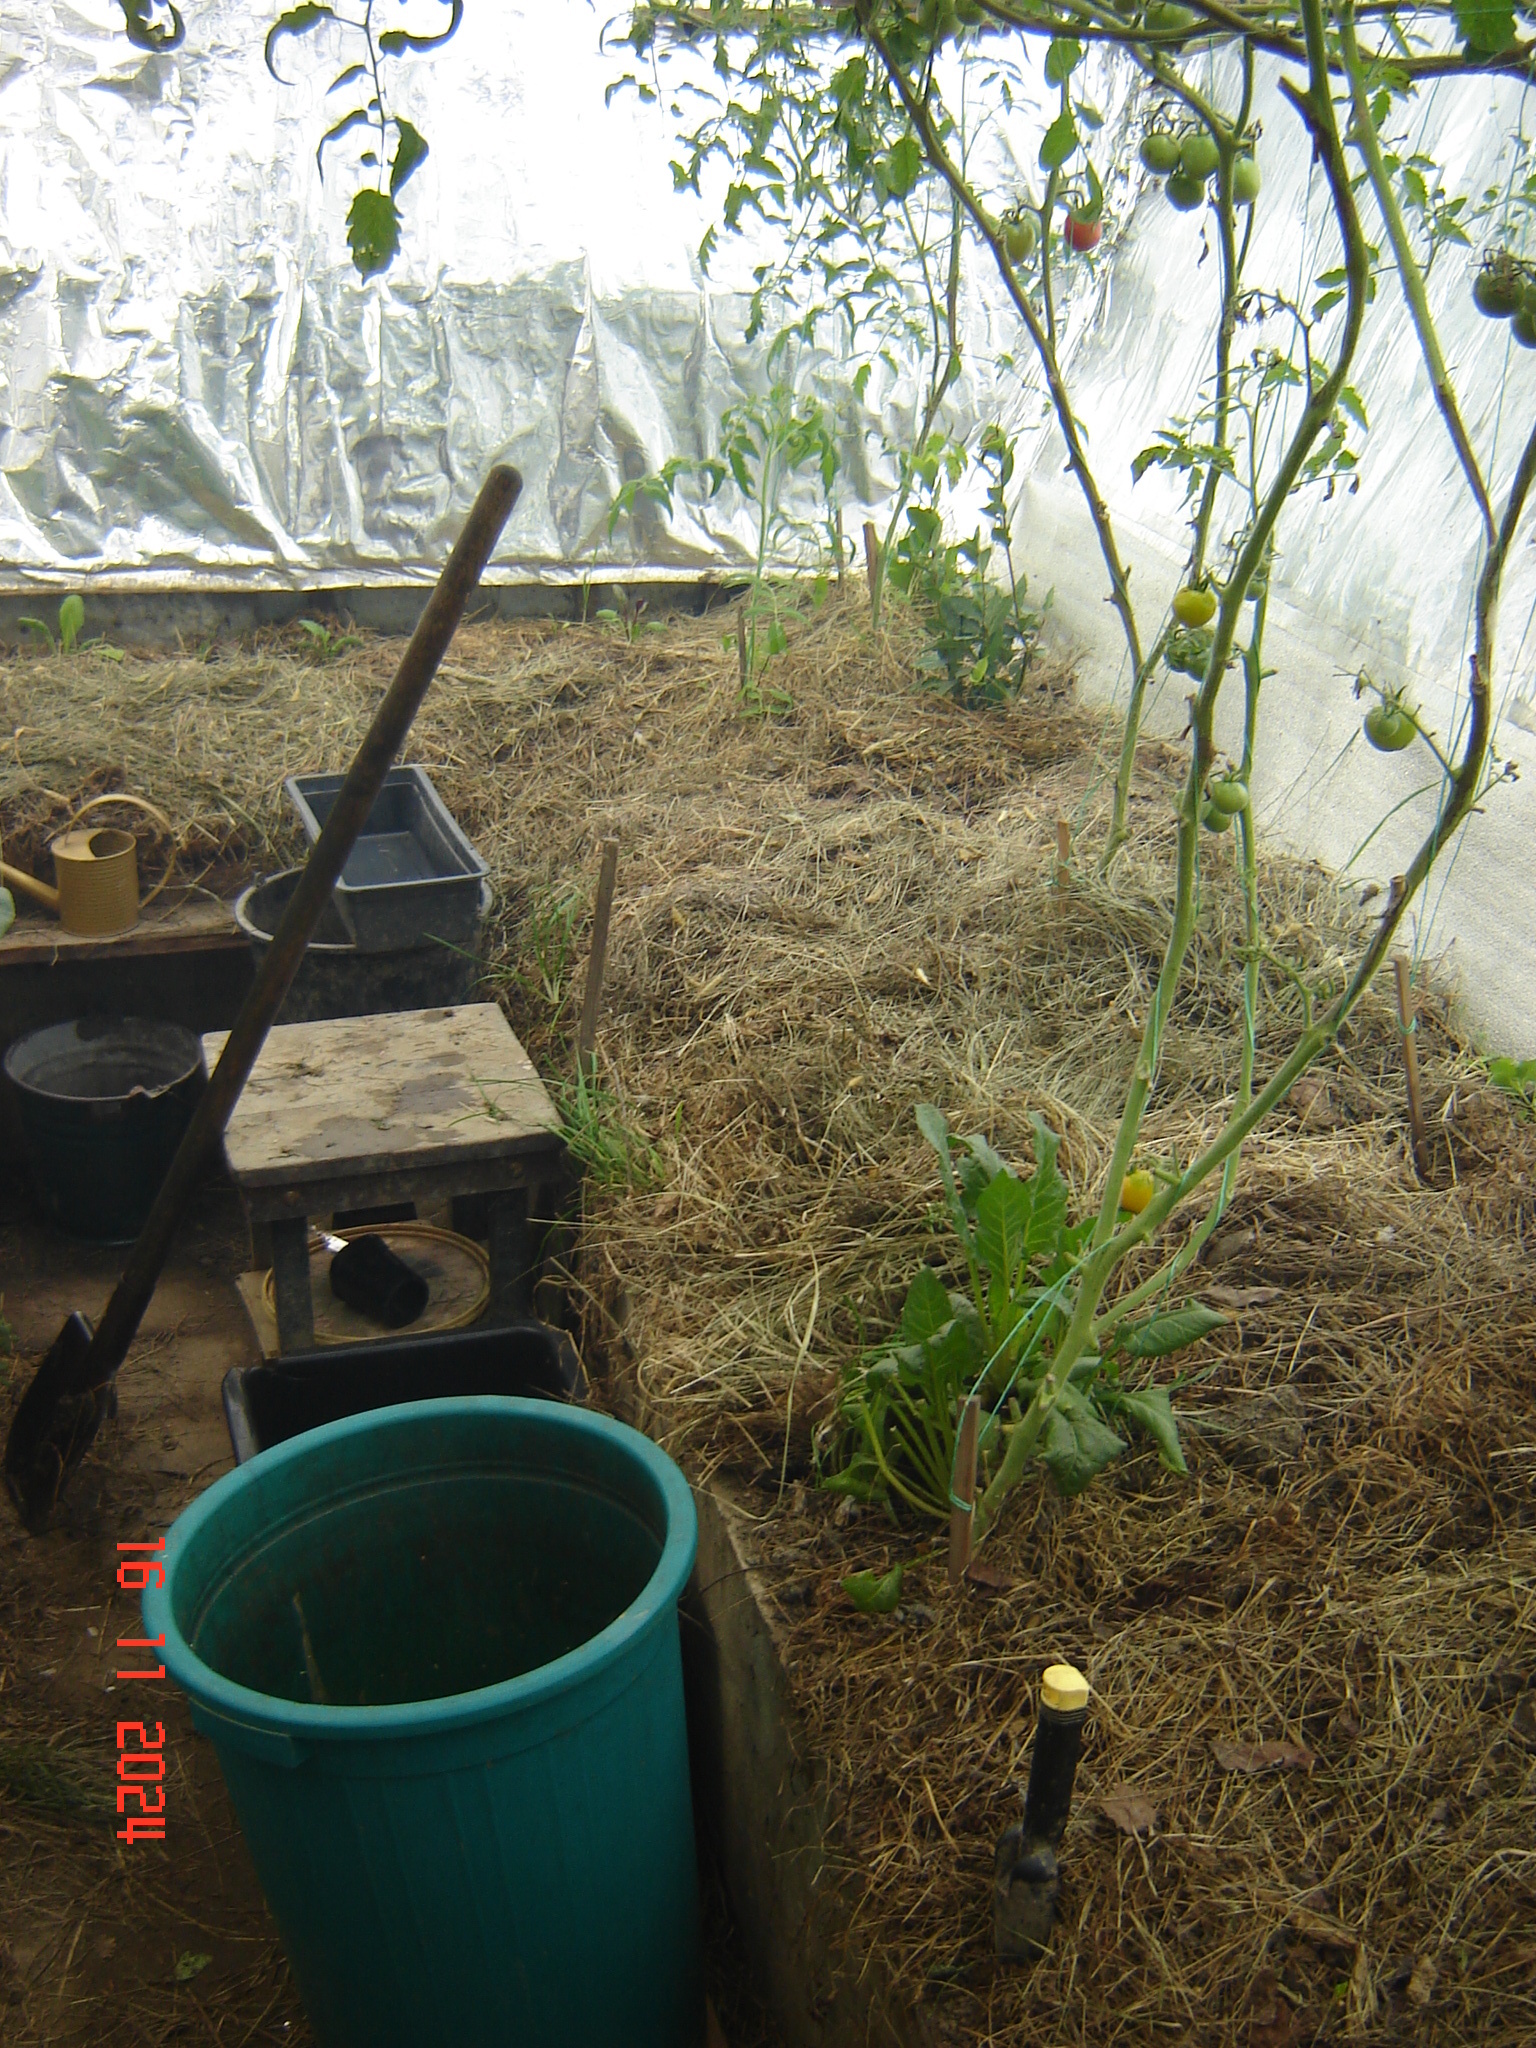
{"x":63,"y":1408}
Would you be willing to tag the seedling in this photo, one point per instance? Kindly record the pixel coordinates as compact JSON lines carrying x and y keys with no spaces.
{"x":71,"y":621}
{"x":324,"y":644}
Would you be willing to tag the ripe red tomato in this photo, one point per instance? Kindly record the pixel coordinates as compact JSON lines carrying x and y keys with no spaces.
{"x":1082,"y":235}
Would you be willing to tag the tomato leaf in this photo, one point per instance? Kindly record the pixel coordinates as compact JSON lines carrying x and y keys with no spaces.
{"x":1352,"y":403}
{"x":350,"y":76}
{"x":409,"y":152}
{"x":901,"y":170}
{"x":394,"y":40}
{"x":1161,"y":1335}
{"x":1092,"y":208}
{"x":1062,"y":59}
{"x":373,"y":231}
{"x":1486,"y":25}
{"x":872,"y":1592}
{"x":355,"y":119}
{"x":1153,"y":1410}
{"x":1077,"y":1445}
{"x":296,"y":22}
{"x":146,"y":34}
{"x":1058,"y":143}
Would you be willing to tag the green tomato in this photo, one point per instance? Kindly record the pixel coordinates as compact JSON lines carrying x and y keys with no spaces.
{"x":1188,"y":649}
{"x":1246,"y":180}
{"x":1160,"y":152}
{"x":1214,"y":820}
{"x":1228,"y":795}
{"x":1389,"y":728}
{"x":1523,"y":327}
{"x":1163,"y":18}
{"x":1497,"y":292}
{"x":1185,"y":193}
{"x":1194,"y":607}
{"x":1198,"y":154}
{"x":1020,"y":236}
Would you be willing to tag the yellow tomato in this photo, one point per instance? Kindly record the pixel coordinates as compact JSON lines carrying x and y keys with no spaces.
{"x":1136,"y":1190}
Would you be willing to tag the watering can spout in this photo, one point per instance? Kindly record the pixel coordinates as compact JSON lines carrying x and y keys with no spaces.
{"x":40,"y":891}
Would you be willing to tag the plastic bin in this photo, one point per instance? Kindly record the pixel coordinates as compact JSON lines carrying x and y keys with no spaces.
{"x":436,"y":1649}
{"x":267,"y":1404}
{"x":336,"y":978}
{"x":412,"y":876}
{"x":103,"y":1103}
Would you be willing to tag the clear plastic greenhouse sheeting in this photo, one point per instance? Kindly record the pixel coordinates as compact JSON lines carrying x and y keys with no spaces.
{"x":199,"y":390}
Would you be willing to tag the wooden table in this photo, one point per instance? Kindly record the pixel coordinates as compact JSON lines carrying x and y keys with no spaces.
{"x":359,"y":1112}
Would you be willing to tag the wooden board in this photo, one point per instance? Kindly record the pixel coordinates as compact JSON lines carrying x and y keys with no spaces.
{"x":358,"y":1099}
{"x":191,"y":924}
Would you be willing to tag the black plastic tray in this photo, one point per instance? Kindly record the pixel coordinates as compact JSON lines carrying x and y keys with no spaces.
{"x":267,"y":1404}
{"x":412,"y":876}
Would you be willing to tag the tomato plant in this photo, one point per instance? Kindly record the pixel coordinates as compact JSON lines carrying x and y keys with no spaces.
{"x":1277,"y":414}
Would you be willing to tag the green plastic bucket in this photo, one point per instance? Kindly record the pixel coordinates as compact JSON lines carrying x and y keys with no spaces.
{"x":436,"y":1648}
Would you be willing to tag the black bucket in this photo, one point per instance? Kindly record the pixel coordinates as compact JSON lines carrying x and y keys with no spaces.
{"x":335,"y":979}
{"x":103,"y":1104}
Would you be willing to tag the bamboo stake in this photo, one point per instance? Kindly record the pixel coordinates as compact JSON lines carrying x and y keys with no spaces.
{"x":741,"y":651}
{"x":1405,"y":1019}
{"x":872,"y":564}
{"x":962,"y":1520}
{"x":586,"y":1036}
{"x":840,"y":547}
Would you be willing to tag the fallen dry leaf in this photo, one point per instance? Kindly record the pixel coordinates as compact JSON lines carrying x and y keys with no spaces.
{"x":1242,"y":1297}
{"x":989,"y":1578}
{"x":1323,"y":1929}
{"x":1421,"y":1985}
{"x":1131,"y":1811}
{"x":1261,"y":1756}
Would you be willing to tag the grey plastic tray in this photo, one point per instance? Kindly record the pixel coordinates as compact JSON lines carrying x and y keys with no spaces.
{"x":412,"y":876}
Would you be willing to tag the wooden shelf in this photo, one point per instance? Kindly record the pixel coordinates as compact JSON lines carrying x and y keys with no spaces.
{"x":194,"y":924}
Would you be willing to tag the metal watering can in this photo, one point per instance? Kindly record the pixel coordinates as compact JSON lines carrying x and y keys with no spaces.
{"x":97,"y":873}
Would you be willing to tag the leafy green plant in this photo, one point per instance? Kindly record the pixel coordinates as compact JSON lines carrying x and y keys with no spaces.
{"x":612,"y":1152}
{"x":893,"y":1439}
{"x":764,"y":442}
{"x":628,"y":616}
{"x":875,"y":1592}
{"x":983,"y":635}
{"x":325,"y":645}
{"x":71,"y":624}
{"x":373,"y":217}
{"x":1517,"y":1078}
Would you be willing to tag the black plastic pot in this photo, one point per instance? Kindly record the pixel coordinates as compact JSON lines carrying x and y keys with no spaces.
{"x":338,"y":979}
{"x":267,"y":1404}
{"x":103,"y":1103}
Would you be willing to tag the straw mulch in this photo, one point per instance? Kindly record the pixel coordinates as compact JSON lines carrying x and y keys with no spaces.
{"x":823,"y":919}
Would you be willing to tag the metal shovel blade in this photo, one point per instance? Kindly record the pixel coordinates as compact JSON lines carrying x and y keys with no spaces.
{"x":72,"y":1391}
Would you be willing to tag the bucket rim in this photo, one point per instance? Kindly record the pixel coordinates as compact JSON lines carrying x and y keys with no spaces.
{"x":132,"y":1029}
{"x":264,"y":1713}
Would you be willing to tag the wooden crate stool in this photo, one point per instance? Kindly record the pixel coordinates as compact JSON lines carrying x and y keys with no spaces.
{"x":362,"y":1112}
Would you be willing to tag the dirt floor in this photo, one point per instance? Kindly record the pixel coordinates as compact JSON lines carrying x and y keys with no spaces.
{"x":103,"y":1943}
{"x":1305,"y":1801}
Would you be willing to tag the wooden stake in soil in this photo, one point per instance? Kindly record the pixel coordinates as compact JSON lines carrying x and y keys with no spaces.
{"x":872,"y":564}
{"x":1405,"y":1020}
{"x":962,"y":1519}
{"x":741,"y":651}
{"x":1063,"y":852}
{"x":586,"y":1036}
{"x":840,"y":547}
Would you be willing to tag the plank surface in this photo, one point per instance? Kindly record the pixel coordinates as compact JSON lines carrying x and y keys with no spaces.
{"x":193,"y":924}
{"x":415,"y":1090}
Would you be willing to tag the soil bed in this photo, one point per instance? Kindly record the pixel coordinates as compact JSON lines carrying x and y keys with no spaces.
{"x":824,"y":918}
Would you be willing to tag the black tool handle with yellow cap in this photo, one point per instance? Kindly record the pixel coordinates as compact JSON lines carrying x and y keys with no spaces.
{"x":1027,"y":1876}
